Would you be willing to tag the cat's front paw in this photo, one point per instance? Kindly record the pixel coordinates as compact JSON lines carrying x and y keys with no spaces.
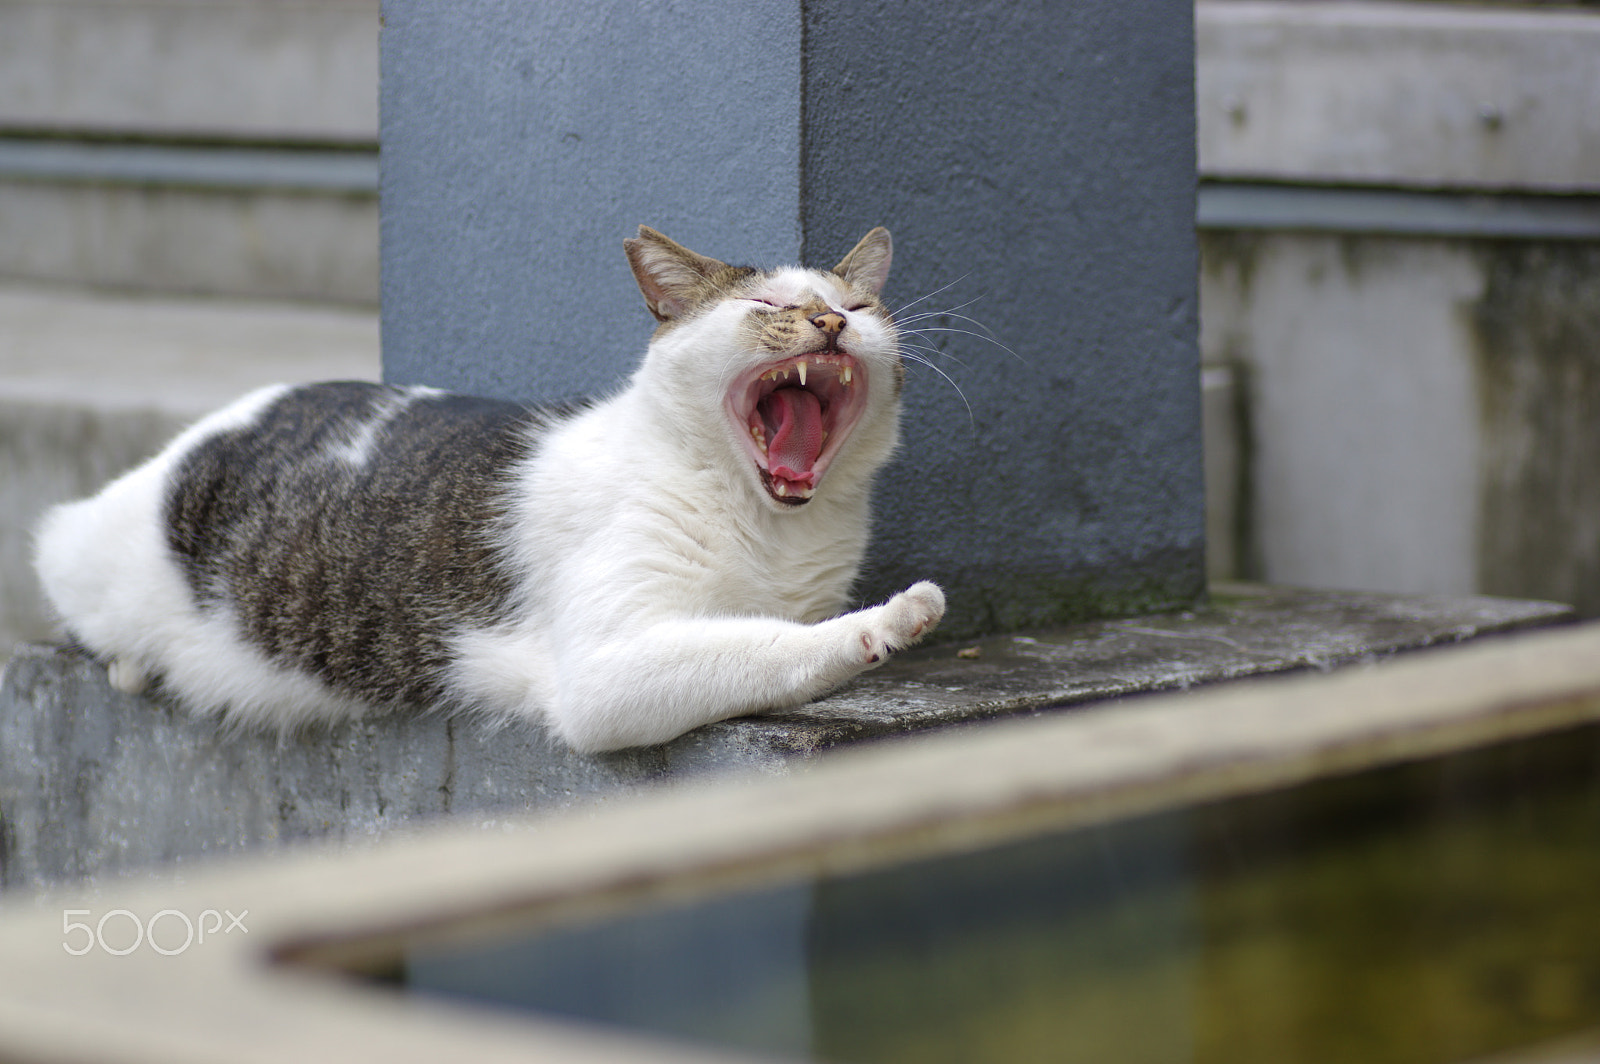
{"x":902,"y":621}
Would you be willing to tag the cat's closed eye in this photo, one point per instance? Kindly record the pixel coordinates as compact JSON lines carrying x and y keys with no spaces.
{"x":851,"y":309}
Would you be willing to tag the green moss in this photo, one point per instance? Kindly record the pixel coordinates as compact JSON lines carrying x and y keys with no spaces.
{"x":1536,"y":332}
{"x":983,"y":602}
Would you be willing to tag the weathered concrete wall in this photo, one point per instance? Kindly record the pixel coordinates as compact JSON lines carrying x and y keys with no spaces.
{"x":1423,"y":414}
{"x":1535,"y":332}
{"x":1417,"y":369}
{"x":1043,"y":182}
{"x":1361,"y":406}
{"x":93,"y":781}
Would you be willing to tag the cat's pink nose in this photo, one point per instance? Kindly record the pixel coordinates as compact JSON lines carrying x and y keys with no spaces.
{"x":830,"y":323}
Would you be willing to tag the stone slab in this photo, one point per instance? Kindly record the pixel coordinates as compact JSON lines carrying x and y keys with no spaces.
{"x":93,"y":781}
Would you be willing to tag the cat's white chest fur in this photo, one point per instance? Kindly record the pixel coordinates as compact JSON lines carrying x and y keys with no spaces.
{"x":673,"y":555}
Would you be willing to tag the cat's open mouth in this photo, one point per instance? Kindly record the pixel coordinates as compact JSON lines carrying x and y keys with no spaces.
{"x":794,"y":414}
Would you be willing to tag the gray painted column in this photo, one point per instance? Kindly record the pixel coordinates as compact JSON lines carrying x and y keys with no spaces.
{"x":1035,"y":162}
{"x":522,"y":140}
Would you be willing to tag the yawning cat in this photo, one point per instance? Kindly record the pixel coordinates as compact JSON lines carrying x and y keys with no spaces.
{"x":624,"y":570}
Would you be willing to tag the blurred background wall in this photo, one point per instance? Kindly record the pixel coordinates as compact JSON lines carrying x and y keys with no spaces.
{"x":216,"y":146}
{"x":1400,"y":302}
{"x":188,"y":209}
{"x":1400,"y":291}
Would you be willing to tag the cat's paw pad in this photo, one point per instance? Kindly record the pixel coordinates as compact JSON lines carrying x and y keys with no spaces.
{"x":903,"y":620}
{"x":127,"y":676}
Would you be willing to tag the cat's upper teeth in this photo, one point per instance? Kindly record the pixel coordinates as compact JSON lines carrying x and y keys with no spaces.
{"x":846,"y":373}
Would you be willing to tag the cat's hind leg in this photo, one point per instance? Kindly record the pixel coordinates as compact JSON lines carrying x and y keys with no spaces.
{"x":678,"y":674}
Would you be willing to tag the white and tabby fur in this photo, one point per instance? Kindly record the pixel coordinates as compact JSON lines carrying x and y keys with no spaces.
{"x":648,"y":576}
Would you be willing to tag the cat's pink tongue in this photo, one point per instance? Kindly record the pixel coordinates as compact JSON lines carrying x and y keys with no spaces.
{"x":797,"y":439}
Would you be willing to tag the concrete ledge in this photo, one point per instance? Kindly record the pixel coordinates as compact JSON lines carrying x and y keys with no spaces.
{"x":94,"y":781}
{"x":862,"y":809}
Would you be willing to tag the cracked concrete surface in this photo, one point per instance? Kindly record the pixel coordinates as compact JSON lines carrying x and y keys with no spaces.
{"x":93,"y":781}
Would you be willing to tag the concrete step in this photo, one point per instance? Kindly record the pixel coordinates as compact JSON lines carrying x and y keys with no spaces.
{"x":166,"y":146}
{"x":259,"y":70}
{"x":266,"y":243}
{"x":91,"y":383}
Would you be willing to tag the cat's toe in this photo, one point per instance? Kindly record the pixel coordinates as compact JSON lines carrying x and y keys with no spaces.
{"x":127,"y":676}
{"x":927,"y":601}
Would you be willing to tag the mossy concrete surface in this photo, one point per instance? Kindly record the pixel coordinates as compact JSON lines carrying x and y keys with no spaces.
{"x":94,"y":781}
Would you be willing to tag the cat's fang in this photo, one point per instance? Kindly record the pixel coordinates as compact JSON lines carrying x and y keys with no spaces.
{"x":801,"y":366}
{"x":844,"y":375}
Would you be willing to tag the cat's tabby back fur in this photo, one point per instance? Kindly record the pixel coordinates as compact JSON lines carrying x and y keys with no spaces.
{"x":624,"y":571}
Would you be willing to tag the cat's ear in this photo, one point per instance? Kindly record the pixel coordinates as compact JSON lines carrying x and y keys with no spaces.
{"x":670,"y":276}
{"x":867,"y":265}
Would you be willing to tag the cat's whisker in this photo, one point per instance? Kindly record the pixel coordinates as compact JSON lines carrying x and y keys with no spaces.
{"x":902,"y":309}
{"x":971,"y":419}
{"x":913,"y":324}
{"x":987,"y":332}
{"x":975,"y":335}
{"x":921,"y":314}
{"x":930,"y":349}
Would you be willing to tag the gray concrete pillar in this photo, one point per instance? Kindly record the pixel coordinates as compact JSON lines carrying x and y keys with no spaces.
{"x":1034,"y":160}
